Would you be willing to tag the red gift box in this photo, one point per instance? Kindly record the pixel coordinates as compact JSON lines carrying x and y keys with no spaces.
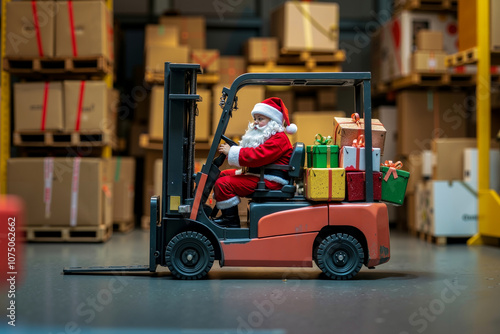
{"x":355,"y":186}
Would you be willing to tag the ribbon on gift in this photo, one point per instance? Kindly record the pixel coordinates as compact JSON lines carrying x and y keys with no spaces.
{"x":320,"y":140}
{"x":392,"y":169}
{"x":358,"y":144}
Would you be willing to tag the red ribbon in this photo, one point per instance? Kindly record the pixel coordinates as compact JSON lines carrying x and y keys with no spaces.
{"x":72,"y":28}
{"x":392,"y":169}
{"x":80,"y":105}
{"x":37,"y":29}
{"x":44,"y":106}
{"x":359,"y":142}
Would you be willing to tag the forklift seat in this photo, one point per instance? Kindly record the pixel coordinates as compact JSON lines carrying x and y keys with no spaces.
{"x":294,"y":169}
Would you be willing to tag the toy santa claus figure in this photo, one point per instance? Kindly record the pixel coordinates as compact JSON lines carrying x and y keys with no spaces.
{"x":264,"y":143}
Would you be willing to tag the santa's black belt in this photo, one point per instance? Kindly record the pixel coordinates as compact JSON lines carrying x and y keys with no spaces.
{"x":275,"y":172}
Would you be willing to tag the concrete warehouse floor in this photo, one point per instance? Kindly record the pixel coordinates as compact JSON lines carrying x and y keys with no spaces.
{"x":423,"y":289}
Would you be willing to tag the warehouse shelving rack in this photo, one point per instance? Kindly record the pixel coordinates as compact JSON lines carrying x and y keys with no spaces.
{"x":5,"y":105}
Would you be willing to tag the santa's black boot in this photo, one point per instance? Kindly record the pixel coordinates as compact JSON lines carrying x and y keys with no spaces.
{"x":229,"y":218}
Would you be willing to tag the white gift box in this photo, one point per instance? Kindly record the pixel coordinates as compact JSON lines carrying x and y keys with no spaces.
{"x":353,"y":158}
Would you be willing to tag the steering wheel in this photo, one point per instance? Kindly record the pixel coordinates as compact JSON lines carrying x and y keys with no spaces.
{"x":220,"y":159}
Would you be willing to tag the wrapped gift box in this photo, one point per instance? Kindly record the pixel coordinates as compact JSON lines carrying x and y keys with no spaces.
{"x":322,"y":156}
{"x":355,"y":186}
{"x":347,"y":130}
{"x":208,"y":59}
{"x":353,"y":159}
{"x":325,"y":184}
{"x":394,"y":188}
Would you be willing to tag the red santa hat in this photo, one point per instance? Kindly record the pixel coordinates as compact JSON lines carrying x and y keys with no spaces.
{"x":275,"y":109}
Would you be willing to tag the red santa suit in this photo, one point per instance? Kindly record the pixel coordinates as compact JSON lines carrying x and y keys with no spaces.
{"x":277,"y":149}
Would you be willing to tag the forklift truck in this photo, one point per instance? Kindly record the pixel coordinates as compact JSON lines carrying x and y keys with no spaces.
{"x":284,"y":228}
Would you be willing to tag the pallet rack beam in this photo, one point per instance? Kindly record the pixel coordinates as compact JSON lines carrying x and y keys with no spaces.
{"x":488,"y":200}
{"x":4,"y":107}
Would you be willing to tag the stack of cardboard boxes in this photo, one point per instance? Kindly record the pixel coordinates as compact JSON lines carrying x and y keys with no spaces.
{"x":66,"y":195}
{"x":446,"y":187}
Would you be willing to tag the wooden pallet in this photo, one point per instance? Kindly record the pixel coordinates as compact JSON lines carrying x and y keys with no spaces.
{"x":100,"y":233}
{"x":62,"y":139}
{"x":428,"y":5}
{"x":158,"y":78}
{"x":124,"y":226}
{"x":440,"y":240}
{"x":58,"y":65}
{"x":421,"y":79}
{"x":469,"y":56}
{"x":269,"y":68}
{"x":462,"y":79}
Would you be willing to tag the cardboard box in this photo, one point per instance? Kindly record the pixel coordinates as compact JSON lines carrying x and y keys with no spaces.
{"x":311,"y":123}
{"x":148,"y":178}
{"x":399,"y":40}
{"x":156,"y":113}
{"x":414,"y":165}
{"x":192,"y":29}
{"x":346,"y":130}
{"x":208,"y":59}
{"x":261,"y":49}
{"x":231,"y":67}
{"x":30,"y":101}
{"x":422,"y":202}
{"x":471,"y":169}
{"x":247,"y":98}
{"x":123,"y":188}
{"x":157,"y":55}
{"x":305,"y":26}
{"x":453,"y":209}
{"x":202,"y":129}
{"x":355,"y":186}
{"x":429,"y":40}
{"x":46,"y":184}
{"x":467,"y":25}
{"x":93,"y":30}
{"x":428,"y":62}
{"x":163,"y":35}
{"x":388,"y":115}
{"x":423,"y":116}
{"x":449,"y":157}
{"x":324,"y":184}
{"x":21,"y":30}
{"x":93,"y":113}
{"x":353,"y":158}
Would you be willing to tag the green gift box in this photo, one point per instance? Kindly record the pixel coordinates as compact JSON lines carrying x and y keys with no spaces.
{"x":394,"y":188}
{"x":323,"y":156}
{"x":309,"y":151}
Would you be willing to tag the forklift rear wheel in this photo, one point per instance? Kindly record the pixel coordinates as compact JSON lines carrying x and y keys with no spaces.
{"x":189,"y":255}
{"x":340,"y":256}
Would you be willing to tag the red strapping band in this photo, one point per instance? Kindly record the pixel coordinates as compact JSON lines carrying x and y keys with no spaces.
{"x":44,"y":106}
{"x":37,"y":29}
{"x":330,"y":177}
{"x":80,"y":105}
{"x":72,"y":28}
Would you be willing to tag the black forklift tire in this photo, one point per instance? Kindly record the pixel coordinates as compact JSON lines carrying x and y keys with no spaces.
{"x":340,"y":256}
{"x":189,"y":255}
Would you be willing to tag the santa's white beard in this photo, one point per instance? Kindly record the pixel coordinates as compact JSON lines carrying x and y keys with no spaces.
{"x":255,"y":136}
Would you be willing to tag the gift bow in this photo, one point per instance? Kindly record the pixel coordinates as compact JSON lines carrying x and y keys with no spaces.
{"x":359,"y":142}
{"x":355,"y":118}
{"x":320,"y":140}
{"x":392,"y":169}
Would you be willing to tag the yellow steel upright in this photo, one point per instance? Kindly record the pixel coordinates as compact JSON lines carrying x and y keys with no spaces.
{"x":107,"y":151}
{"x":4,"y":107}
{"x":488,"y":200}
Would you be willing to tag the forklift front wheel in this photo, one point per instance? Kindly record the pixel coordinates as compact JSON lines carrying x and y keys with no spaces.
{"x":189,"y":255}
{"x":340,"y":256}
